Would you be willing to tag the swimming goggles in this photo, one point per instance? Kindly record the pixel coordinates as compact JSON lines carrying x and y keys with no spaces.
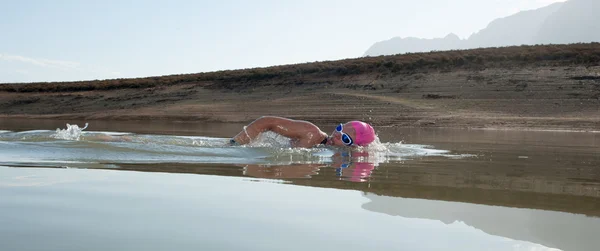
{"x":346,"y":139}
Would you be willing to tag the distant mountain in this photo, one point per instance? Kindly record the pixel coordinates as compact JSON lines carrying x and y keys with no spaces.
{"x":575,"y":21}
{"x":517,"y":29}
{"x":410,"y":44}
{"x":569,"y":22}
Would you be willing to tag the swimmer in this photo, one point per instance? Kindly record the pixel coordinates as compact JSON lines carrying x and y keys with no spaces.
{"x":305,"y":134}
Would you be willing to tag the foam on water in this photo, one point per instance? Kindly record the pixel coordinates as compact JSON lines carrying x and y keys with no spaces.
{"x":72,"y":132}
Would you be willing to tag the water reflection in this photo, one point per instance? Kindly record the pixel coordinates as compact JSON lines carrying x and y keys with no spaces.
{"x":552,"y":229}
{"x":355,"y":172}
{"x":535,"y":187}
{"x":349,"y":165}
{"x":293,"y":171}
{"x":156,"y":211}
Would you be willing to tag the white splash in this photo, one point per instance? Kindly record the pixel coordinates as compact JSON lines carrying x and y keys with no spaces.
{"x":279,"y":148}
{"x":270,"y":139}
{"x":378,"y":152}
{"x":73,"y":132}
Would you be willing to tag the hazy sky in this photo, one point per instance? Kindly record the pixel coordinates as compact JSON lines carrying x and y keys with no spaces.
{"x":79,"y":40}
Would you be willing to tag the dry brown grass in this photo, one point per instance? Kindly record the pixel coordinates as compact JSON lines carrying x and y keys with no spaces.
{"x":505,"y":57}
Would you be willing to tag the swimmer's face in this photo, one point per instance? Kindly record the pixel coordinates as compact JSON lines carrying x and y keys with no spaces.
{"x":335,"y":139}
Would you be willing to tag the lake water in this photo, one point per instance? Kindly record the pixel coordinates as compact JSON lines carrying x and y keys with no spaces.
{"x":178,"y":186}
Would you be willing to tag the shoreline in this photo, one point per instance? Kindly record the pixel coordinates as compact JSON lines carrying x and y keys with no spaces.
{"x":554,"y":87}
{"x":82,"y":120}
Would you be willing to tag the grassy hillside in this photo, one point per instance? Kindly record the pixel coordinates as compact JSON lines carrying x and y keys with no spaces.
{"x":385,"y":66}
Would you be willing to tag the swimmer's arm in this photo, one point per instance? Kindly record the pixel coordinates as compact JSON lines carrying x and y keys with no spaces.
{"x":310,"y":139}
{"x":294,"y":129}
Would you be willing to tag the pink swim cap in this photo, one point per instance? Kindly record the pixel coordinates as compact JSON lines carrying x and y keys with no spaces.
{"x":365,"y":134}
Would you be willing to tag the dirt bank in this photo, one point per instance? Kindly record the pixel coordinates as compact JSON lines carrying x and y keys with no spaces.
{"x":551,"y":92}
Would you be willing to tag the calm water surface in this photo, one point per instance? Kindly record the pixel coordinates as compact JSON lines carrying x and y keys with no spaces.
{"x":178,"y":186}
